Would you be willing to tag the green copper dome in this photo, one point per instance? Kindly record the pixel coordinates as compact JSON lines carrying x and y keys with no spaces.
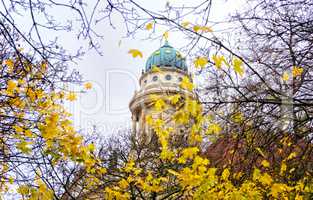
{"x":166,"y":56}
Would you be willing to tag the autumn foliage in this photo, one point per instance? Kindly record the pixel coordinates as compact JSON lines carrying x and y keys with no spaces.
{"x":247,"y":135}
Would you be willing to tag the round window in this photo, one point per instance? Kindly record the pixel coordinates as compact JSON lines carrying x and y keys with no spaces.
{"x":168,"y":77}
{"x":155,"y":78}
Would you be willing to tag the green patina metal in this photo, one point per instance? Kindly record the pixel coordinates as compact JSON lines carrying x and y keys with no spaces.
{"x":166,"y":56}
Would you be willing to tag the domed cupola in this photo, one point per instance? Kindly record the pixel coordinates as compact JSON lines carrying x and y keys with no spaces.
{"x":166,"y":56}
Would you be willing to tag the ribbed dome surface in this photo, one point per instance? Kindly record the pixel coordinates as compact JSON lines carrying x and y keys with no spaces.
{"x":166,"y":56}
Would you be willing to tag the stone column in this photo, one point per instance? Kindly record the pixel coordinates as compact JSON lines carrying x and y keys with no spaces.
{"x":134,"y":124}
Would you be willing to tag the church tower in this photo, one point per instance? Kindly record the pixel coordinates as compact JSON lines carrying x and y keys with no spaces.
{"x":163,"y":73}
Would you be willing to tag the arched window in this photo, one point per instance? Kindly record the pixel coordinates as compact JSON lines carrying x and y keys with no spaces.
{"x":168,"y":77}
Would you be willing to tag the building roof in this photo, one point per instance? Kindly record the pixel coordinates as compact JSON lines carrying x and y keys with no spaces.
{"x":166,"y":56}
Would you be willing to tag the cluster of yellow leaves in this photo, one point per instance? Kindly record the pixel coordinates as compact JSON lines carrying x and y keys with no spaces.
{"x":189,"y":170}
{"x":186,"y":83}
{"x":34,"y":193}
{"x":174,"y":99}
{"x":296,"y":72}
{"x":197,"y":28}
{"x":41,"y":117}
{"x":202,"y":182}
{"x":186,"y":166}
{"x":214,"y":128}
{"x":158,"y":102}
{"x":201,"y":62}
{"x":188,"y":153}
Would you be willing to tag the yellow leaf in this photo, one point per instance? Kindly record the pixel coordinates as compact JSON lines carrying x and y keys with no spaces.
{"x":18,"y":129}
{"x":71,"y":96}
{"x":200,"y":62}
{"x":165,"y":154}
{"x":88,"y":86}
{"x":218,"y":60}
{"x":285,"y":76}
{"x":206,"y":29}
{"x":238,"y":66}
{"x":11,"y":85}
{"x":214,"y":128}
{"x":173,"y":172}
{"x":23,"y":189}
{"x":225,"y":174}
{"x":299,"y":197}
{"x":188,"y":153}
{"x":135,"y":53}
{"x":265,"y":163}
{"x":297,"y":71}
{"x":149,"y":26}
{"x":129,"y":166}
{"x":123,"y":184}
{"x":278,"y":188}
{"x":165,"y":35}
{"x":9,"y":63}
{"x":23,"y":147}
{"x":149,"y":119}
{"x":185,"y":24}
{"x":174,"y":98}
{"x":91,"y":147}
{"x":186,"y":84}
{"x":11,"y":180}
{"x":237,"y":117}
{"x":283,"y":168}
{"x":159,"y":105}
{"x":292,"y":155}
{"x":196,"y":28}
{"x":237,"y":175}
{"x":256,"y":174}
{"x":28,"y":133}
{"x":102,"y":170}
{"x":21,"y":81}
{"x":155,"y":69}
{"x":266,"y":179}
